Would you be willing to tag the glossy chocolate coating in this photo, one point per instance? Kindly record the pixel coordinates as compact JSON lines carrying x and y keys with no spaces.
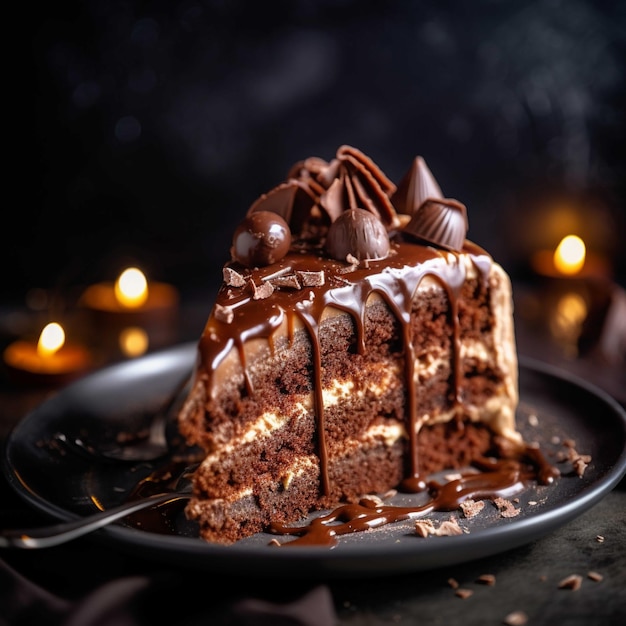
{"x":442,"y":222}
{"x":263,"y":238}
{"x":357,"y":233}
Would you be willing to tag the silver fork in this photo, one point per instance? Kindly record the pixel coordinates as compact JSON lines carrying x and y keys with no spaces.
{"x":62,"y":532}
{"x":149,"y":448}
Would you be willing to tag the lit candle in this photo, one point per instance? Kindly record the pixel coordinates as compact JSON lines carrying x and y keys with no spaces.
{"x":570,"y":259}
{"x":132,"y":303}
{"x":50,"y":360}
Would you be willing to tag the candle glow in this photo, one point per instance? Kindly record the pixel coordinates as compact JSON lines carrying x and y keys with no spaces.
{"x":48,"y":360}
{"x":569,"y":256}
{"x":131,"y":288}
{"x":51,"y":339}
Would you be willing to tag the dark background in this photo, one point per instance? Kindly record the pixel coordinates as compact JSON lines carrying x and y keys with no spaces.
{"x":145,"y":130}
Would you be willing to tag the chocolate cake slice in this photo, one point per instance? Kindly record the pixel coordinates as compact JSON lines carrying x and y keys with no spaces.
{"x":359,"y":342}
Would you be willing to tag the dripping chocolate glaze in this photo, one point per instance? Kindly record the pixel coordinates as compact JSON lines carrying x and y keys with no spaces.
{"x":314,"y":196}
{"x":396,"y":279}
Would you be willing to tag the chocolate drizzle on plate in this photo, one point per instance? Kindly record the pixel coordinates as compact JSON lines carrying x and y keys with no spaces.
{"x":498,"y":478}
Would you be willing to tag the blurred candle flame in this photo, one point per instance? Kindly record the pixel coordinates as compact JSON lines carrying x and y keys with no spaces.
{"x":131,"y":288}
{"x":569,"y":256}
{"x":51,"y":339}
{"x":133,"y":341}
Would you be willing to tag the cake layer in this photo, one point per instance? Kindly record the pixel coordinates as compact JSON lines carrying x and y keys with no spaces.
{"x":319,"y":402}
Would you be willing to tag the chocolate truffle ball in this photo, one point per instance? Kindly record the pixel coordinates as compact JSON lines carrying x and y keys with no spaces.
{"x":261,"y":239}
{"x":358,"y":233}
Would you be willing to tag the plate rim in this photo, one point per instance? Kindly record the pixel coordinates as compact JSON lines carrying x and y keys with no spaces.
{"x":348,"y":560}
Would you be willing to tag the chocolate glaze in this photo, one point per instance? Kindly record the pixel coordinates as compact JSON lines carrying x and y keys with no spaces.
{"x":346,"y":288}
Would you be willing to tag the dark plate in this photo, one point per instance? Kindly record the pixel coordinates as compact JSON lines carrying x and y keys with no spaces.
{"x":119,"y":399}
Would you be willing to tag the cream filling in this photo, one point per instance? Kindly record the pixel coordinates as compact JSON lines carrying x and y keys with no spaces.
{"x":498,"y":412}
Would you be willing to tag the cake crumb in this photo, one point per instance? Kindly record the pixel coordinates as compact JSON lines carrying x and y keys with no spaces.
{"x":600,"y":538}
{"x":516,"y":618}
{"x":273,"y":542}
{"x":573,"y":582}
{"x":533,"y":420}
{"x":486,"y":579}
{"x":463,"y":593}
{"x":453,"y":582}
{"x":595,"y":576}
{"x":506,"y":508}
{"x":471,"y":508}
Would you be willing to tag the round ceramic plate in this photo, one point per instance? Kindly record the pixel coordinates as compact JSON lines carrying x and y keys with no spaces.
{"x":554,"y":407}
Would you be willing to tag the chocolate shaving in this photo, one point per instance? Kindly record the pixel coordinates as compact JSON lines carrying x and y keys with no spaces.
{"x":233,"y":278}
{"x":471,"y":508}
{"x":290,"y":281}
{"x":463,"y":593}
{"x":506,"y":508}
{"x":573,"y":582}
{"x":447,"y":528}
{"x":486,"y":579}
{"x":579,"y":462}
{"x":516,"y":618}
{"x":224,"y":313}
{"x":262,"y":291}
{"x":312,"y":279}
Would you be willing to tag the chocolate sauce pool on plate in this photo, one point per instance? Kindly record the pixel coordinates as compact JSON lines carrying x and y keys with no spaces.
{"x":491,"y":478}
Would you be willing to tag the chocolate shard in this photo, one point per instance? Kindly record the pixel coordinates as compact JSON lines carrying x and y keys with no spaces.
{"x":233,"y":278}
{"x":415,"y":187}
{"x":442,"y":222}
{"x":278,"y":200}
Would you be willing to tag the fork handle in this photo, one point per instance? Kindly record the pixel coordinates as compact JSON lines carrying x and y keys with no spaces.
{"x":62,"y":532}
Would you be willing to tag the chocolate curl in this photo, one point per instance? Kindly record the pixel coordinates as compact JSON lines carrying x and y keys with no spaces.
{"x":317,"y":192}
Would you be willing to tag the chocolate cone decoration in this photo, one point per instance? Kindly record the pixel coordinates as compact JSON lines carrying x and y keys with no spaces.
{"x":417,"y":185}
{"x":442,"y":222}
